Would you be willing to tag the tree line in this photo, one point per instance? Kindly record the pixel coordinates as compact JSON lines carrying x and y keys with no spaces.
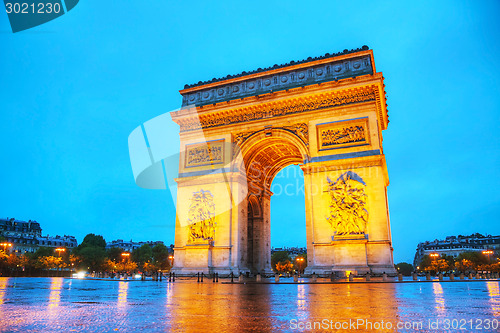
{"x":466,"y":262}
{"x":282,"y":263}
{"x":91,"y":256}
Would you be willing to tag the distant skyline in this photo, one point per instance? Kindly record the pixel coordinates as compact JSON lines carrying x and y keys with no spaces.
{"x":73,"y":89}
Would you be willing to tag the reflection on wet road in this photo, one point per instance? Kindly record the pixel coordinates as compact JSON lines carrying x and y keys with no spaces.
{"x":56,"y":304}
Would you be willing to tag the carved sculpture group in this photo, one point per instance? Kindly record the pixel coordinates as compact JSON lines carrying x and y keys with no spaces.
{"x":201,"y":217}
{"x":348,"y":215}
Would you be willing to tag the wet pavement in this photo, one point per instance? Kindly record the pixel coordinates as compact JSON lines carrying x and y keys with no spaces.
{"x":68,"y":305}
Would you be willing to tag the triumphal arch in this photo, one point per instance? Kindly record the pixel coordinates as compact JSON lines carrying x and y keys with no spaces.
{"x":325,"y":114}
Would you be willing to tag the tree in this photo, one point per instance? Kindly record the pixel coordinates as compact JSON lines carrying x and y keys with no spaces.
{"x":404,"y":268}
{"x":279,"y":257}
{"x":284,"y":267}
{"x":475,"y":257}
{"x":91,"y":252}
{"x":126,"y":266}
{"x":300,"y":262}
{"x":43,"y":252}
{"x":160,"y":257}
{"x":92,"y":257}
{"x":142,"y":255}
{"x":93,"y":240}
{"x":115,"y":253}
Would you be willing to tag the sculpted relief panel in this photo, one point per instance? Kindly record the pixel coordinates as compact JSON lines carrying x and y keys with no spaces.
{"x":206,"y":153}
{"x":343,"y":134}
{"x":201,"y":217}
{"x":348,"y":215}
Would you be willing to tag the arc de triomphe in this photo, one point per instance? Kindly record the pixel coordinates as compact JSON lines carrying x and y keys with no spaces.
{"x":325,"y":114}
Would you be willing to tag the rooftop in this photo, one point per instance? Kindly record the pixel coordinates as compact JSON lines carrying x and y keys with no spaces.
{"x":276,"y":66}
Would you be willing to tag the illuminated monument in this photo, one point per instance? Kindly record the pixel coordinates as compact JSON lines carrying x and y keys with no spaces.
{"x":324,"y":114}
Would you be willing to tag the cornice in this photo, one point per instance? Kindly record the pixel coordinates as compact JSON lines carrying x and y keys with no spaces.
{"x":297,"y":102}
{"x":283,"y":78}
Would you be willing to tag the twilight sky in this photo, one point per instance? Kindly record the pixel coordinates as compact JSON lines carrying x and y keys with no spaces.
{"x":72,"y":90}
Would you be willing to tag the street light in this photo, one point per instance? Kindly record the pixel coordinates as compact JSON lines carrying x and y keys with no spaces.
{"x":299,"y":260}
{"x":488,"y":253}
{"x":59,"y":250}
{"x":5,"y":245}
{"x":171,"y":258}
{"x":125,"y":255}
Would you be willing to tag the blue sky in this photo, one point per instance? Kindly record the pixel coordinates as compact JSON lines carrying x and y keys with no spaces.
{"x":73,"y":89}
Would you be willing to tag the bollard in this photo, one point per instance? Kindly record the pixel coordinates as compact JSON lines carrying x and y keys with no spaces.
{"x":258,"y":278}
{"x":213,"y":278}
{"x":415,"y":277}
{"x":440,"y":276}
{"x":332,"y":277}
{"x":201,"y":276}
{"x":351,"y":277}
{"x":295,"y":278}
{"x":173,"y":277}
{"x":452,"y":277}
{"x":170,"y":277}
{"x":240,"y":278}
{"x":471,"y":276}
{"x":314,"y":278}
{"x":198,"y":274}
{"x":161,"y":276}
{"x":232,"y":277}
{"x":276,"y":278}
{"x":216,"y":277}
{"x":384,"y":277}
{"x":478,"y":276}
{"x":462,"y":276}
{"x":368,"y":277}
{"x":428,"y":276}
{"x":400,"y":277}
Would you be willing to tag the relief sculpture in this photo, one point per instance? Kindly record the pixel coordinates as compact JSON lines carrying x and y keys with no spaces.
{"x":348,"y":215}
{"x":201,"y":217}
{"x":331,"y":137}
{"x":205,"y":154}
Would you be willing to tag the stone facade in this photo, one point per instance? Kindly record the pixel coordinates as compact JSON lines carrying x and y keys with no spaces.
{"x":26,"y":236}
{"x":326,"y":115}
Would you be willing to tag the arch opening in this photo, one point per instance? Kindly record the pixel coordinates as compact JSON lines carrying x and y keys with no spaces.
{"x":264,"y":158}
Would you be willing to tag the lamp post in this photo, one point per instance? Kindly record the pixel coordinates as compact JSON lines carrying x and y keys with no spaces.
{"x":125,"y":255}
{"x":59,"y":250}
{"x":488,"y":253}
{"x":299,"y":260}
{"x":434,"y":256}
{"x":171,"y":258}
{"x":5,"y":246}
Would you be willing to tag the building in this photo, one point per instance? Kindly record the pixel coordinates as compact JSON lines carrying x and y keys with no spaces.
{"x":454,"y":245}
{"x":26,"y":236}
{"x":130,"y":246}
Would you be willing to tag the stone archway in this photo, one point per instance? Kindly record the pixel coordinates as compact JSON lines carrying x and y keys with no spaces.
{"x":263,"y":154}
{"x":325,"y":114}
